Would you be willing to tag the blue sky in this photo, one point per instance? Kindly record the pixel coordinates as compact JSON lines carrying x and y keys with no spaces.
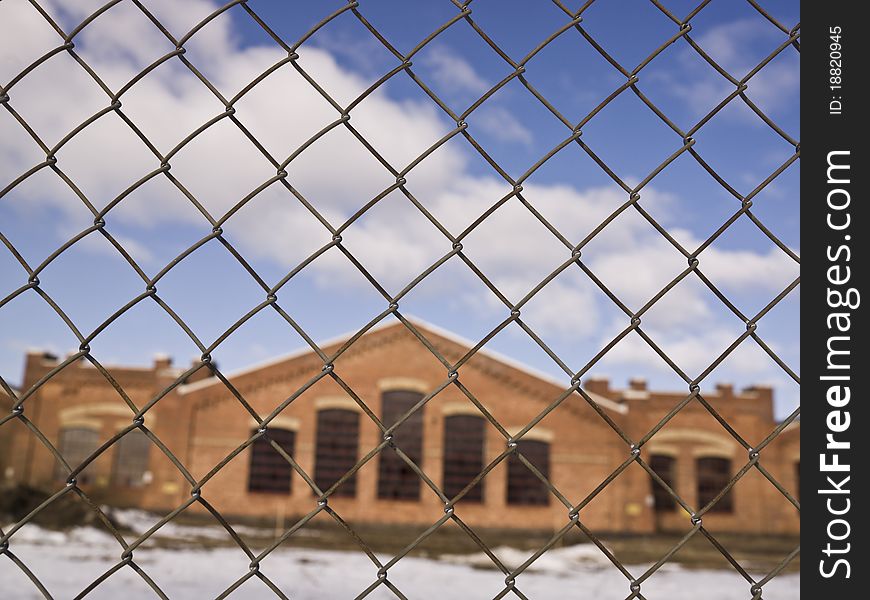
{"x":337,"y":175}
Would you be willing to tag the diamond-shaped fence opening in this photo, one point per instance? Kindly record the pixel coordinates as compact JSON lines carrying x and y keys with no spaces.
{"x":195,"y":179}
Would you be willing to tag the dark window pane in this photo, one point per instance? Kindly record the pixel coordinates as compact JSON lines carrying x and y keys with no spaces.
{"x":131,"y":459}
{"x":523,"y":486}
{"x":397,"y":480}
{"x":713,"y":475}
{"x":270,"y":472}
{"x":336,"y":449}
{"x":664,"y":467}
{"x":76,"y":444}
{"x":463,"y":455}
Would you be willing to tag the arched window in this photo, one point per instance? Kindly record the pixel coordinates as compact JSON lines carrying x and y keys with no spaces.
{"x":463,"y":455}
{"x":76,"y":444}
{"x":131,"y":459}
{"x":666,"y":468}
{"x":270,"y":472}
{"x":336,"y":449}
{"x":396,"y":479}
{"x":714,"y":474}
{"x":523,"y":486}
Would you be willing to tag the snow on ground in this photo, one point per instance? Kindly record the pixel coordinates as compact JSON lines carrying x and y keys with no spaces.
{"x":559,"y":560}
{"x":67,"y":562}
{"x":141,"y":521}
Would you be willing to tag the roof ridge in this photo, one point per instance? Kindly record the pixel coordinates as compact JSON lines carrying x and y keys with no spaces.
{"x":423,"y":324}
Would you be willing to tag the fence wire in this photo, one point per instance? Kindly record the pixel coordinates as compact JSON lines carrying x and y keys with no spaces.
{"x":453,"y":246}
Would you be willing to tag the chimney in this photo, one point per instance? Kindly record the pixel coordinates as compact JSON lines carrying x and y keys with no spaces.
{"x":36,"y":364}
{"x":637,"y":383}
{"x":762,"y":396}
{"x":597,"y":385}
{"x":161,"y":362}
{"x":762,"y":392}
{"x":37,"y":357}
{"x":203,"y":373}
{"x":725,"y":390}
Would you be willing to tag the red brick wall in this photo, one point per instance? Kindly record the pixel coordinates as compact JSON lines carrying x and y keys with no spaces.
{"x":202,"y":424}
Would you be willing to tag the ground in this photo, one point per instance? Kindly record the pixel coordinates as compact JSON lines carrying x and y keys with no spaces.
{"x":67,"y":561}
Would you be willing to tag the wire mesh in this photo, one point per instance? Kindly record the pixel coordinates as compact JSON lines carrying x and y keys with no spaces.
{"x":453,"y":247}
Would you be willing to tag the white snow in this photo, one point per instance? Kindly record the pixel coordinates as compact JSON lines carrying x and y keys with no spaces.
{"x":557,"y":560}
{"x":141,"y":521}
{"x":67,"y":562}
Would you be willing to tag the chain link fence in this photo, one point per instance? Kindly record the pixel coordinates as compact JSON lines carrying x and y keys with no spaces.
{"x":453,"y":247}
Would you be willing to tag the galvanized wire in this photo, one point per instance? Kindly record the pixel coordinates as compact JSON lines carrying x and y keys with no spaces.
{"x":573,"y":258}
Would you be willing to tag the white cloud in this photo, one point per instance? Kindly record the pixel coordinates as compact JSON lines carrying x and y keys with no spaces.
{"x":738,"y":47}
{"x":337,"y":176}
{"x":728,"y":43}
{"x":460,"y":81}
{"x":693,"y":353}
{"x":501,"y":124}
{"x":743,"y":269}
{"x":452,"y":72}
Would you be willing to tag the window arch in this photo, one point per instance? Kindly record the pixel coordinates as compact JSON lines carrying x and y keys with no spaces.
{"x":131,"y":459}
{"x":666,"y":468}
{"x":523,"y":486}
{"x":336,"y":449}
{"x":463,"y":455}
{"x":396,"y":479}
{"x":269,"y":471}
{"x":714,"y":474}
{"x":75,"y":445}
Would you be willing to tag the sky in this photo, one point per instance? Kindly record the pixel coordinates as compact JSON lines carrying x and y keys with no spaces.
{"x":337,"y":175}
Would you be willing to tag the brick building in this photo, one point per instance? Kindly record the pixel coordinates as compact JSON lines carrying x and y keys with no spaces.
{"x":327,"y":431}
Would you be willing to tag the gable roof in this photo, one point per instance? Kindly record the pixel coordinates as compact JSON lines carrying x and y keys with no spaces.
{"x":426,"y":327}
